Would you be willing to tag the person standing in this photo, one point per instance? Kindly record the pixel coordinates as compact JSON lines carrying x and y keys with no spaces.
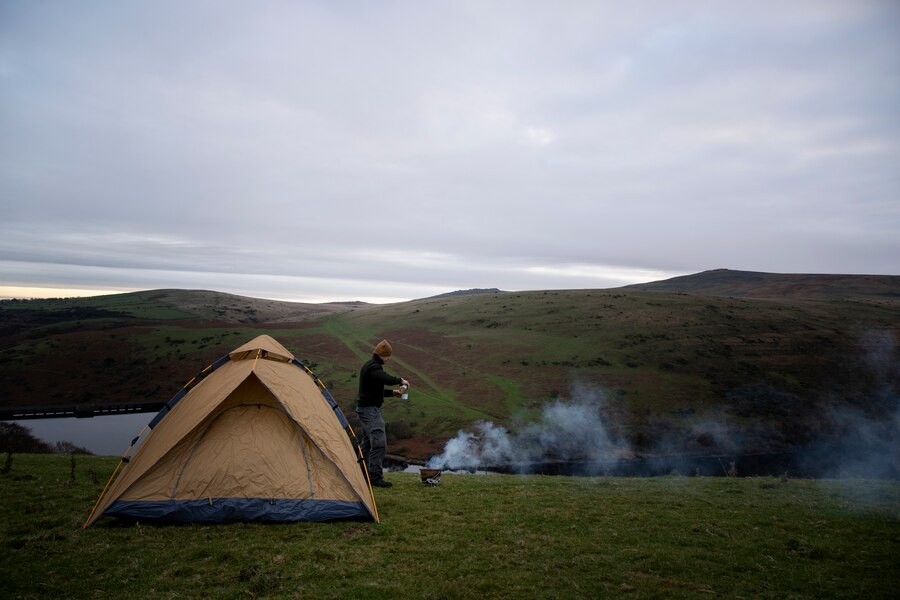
{"x":372,"y":392}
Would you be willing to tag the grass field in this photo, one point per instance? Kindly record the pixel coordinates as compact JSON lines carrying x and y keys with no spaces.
{"x":471,"y":537}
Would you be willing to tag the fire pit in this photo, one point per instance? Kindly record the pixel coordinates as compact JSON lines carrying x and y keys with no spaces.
{"x":430,"y":476}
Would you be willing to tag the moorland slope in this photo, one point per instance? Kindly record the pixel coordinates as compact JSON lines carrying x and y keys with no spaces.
{"x":706,"y":364}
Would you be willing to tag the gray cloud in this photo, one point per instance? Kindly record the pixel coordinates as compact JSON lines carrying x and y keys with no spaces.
{"x":394,"y":149}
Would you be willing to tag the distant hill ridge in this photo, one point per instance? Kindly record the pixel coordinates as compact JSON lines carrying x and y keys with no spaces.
{"x":752,"y":284}
{"x":471,"y":292}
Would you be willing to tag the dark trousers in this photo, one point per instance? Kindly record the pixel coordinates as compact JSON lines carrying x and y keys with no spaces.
{"x":374,"y":441}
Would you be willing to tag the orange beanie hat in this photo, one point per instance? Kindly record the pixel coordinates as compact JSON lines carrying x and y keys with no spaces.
{"x":383,"y":349}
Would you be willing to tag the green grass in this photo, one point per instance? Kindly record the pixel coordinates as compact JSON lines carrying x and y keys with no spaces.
{"x":141,"y":305}
{"x":511,"y":391}
{"x":354,"y":340}
{"x":470,"y":537}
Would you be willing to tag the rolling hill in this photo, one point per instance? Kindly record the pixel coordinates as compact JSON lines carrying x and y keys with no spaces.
{"x":748,"y":284}
{"x":721,"y":362}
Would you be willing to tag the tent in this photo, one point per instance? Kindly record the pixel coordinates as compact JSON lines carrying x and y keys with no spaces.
{"x":253,"y":437}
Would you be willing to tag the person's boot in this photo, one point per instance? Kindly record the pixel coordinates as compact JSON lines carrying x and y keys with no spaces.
{"x":381,"y":483}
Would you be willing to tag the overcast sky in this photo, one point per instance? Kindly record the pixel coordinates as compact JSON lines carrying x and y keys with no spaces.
{"x":383,"y":151}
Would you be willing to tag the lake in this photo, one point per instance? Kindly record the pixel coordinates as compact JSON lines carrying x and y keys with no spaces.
{"x":107,"y":435}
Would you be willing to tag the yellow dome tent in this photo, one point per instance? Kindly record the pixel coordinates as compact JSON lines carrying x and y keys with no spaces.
{"x":254,"y":437}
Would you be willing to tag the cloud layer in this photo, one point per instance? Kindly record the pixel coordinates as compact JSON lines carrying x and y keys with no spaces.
{"x":313,"y":150}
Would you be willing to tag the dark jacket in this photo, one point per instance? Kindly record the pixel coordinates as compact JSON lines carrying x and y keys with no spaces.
{"x":372,"y":380}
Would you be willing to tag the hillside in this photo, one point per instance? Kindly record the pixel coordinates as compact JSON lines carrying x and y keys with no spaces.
{"x":216,"y":306}
{"x":750,"y":284}
{"x":662,"y":372}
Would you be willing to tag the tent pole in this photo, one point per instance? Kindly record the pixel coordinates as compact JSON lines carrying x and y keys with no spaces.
{"x":372,"y":493}
{"x":352,"y":435}
{"x":365,"y":467}
{"x":111,"y":477}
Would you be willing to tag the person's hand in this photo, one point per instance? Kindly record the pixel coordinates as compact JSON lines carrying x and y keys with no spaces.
{"x":404,"y":382}
{"x":396,"y":393}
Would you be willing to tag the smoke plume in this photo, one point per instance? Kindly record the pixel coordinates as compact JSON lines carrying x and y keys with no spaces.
{"x":758,"y":430}
{"x":862,"y":438}
{"x":565,"y":431}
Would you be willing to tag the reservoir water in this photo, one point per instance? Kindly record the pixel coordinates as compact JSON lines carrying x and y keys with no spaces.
{"x":107,"y":435}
